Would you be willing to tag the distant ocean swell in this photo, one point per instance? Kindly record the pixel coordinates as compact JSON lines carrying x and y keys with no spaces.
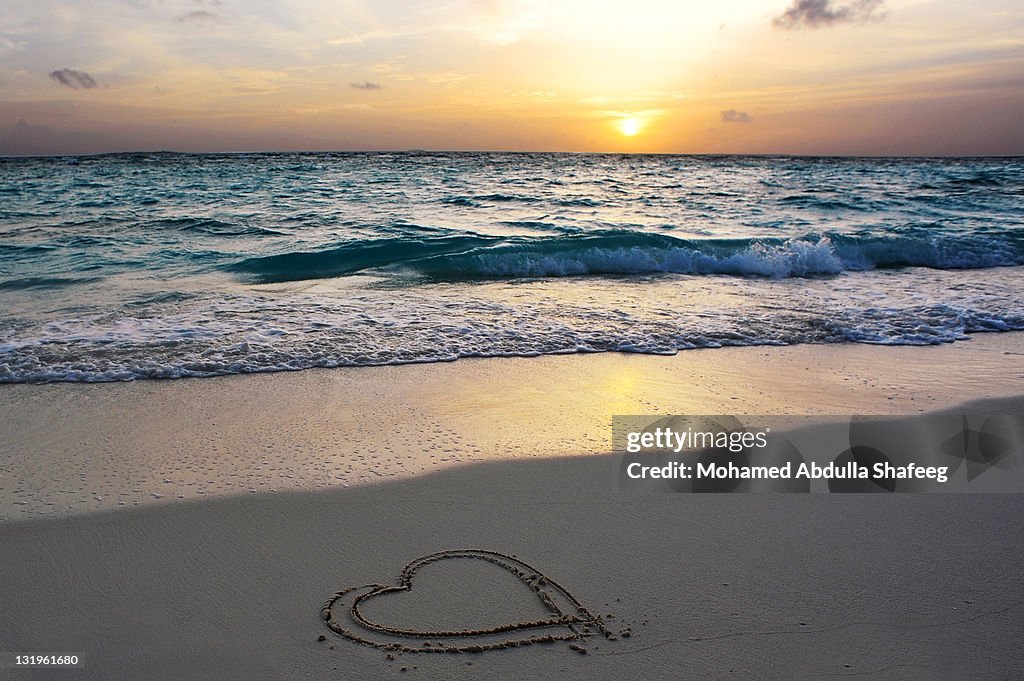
{"x":624,"y":252}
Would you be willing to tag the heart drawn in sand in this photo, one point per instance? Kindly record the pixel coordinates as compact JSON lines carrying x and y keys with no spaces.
{"x":568,"y":619}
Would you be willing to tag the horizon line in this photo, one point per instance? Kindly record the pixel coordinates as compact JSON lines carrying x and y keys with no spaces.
{"x":141,"y":152}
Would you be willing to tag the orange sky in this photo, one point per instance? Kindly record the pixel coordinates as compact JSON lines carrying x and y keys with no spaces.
{"x":874,"y":77}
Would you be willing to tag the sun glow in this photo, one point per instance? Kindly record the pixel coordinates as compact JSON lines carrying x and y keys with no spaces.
{"x":630,"y":126}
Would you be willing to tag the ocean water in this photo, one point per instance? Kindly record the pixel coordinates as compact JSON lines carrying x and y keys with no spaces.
{"x":122,"y":267}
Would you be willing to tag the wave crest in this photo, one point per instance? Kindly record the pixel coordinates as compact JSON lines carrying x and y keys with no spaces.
{"x":624,"y":252}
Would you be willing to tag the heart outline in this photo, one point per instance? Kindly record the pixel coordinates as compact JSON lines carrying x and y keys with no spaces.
{"x":576,"y":626}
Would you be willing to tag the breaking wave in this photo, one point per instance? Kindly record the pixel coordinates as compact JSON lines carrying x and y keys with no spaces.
{"x":626,"y":252}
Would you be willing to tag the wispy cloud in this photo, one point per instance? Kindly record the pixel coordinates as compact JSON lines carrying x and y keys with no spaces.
{"x":74,"y":79}
{"x":367,"y":85}
{"x":734,"y":116}
{"x":820,"y":13}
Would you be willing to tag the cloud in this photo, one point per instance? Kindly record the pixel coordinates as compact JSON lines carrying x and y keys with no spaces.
{"x":6,"y":44}
{"x":73,"y":79}
{"x":734,"y":116}
{"x":819,"y":13}
{"x":367,"y":85}
{"x":198,"y":16}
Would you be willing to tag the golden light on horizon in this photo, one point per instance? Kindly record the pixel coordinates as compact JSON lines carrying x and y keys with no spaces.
{"x":630,"y":126}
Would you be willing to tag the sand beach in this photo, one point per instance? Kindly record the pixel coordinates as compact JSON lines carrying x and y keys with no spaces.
{"x":505,"y":456}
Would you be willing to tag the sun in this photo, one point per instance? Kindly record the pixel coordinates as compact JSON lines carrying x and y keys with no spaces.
{"x":630,"y":126}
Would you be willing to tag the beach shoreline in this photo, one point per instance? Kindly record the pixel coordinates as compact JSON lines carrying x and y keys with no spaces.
{"x":72,"y":448}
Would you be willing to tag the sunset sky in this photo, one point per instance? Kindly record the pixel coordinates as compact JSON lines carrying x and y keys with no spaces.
{"x":873,"y":77}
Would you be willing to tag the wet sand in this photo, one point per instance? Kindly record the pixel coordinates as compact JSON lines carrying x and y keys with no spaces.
{"x":73,"y":448}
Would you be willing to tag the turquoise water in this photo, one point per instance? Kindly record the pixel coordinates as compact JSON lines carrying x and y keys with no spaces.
{"x":168,"y":265}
